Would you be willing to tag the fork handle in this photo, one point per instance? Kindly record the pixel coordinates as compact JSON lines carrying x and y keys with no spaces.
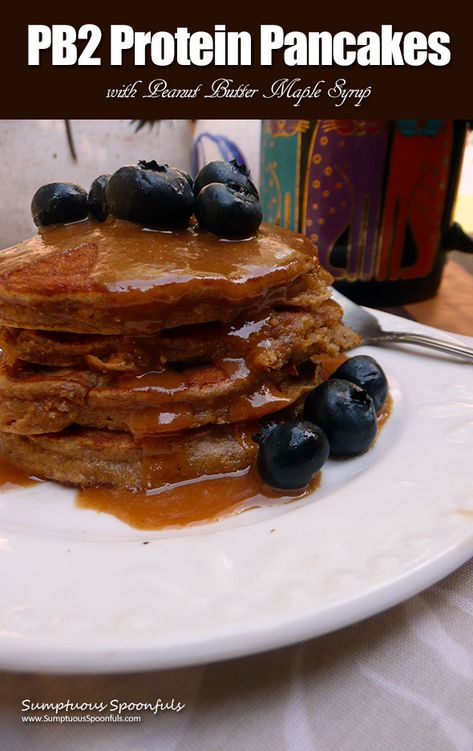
{"x":459,"y":350}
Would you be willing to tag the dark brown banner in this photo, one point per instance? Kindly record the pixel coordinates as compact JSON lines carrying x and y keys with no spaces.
{"x":326,"y":61}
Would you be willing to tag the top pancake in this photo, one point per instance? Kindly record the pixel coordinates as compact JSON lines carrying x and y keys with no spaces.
{"x":118,"y":277}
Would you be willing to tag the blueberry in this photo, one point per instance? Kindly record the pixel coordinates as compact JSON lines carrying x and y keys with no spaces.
{"x":290,"y":454}
{"x":368,"y":374}
{"x":59,"y":203}
{"x":225,"y":172}
{"x":228,"y":211}
{"x":151,"y":194}
{"x":346,"y":414}
{"x":186,"y":175}
{"x":153,"y":165}
{"x":98,"y":207}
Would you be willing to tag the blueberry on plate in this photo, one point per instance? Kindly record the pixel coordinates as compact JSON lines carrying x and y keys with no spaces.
{"x":346,"y":414}
{"x":228,"y":211}
{"x":368,"y":374}
{"x":98,"y":206}
{"x":290,"y":454}
{"x":225,"y":172}
{"x":151,"y":194}
{"x":59,"y":203}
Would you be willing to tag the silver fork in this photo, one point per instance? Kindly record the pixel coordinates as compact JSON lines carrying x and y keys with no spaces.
{"x":367,"y":326}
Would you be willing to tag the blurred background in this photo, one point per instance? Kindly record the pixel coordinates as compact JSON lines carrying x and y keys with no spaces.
{"x":463,"y":207}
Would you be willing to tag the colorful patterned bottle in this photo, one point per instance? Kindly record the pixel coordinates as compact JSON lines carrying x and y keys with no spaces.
{"x":375,"y":196}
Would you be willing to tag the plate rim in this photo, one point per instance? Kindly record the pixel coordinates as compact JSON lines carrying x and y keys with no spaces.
{"x":382,"y":598}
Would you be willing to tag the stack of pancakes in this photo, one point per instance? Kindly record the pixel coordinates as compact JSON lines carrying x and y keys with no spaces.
{"x":134,"y":358}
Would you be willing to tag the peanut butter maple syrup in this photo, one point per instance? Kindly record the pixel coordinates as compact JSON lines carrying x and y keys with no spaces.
{"x":12,"y":477}
{"x":329,"y":365}
{"x":118,"y":277}
{"x":196,"y":501}
{"x":203,"y":499}
{"x":199,"y":500}
{"x":163,"y":391}
{"x":384,"y":414}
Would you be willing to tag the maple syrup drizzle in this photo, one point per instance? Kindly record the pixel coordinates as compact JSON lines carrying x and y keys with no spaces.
{"x":329,"y":365}
{"x":202,"y":500}
{"x":125,"y":258}
{"x":384,"y":414}
{"x":12,"y":477}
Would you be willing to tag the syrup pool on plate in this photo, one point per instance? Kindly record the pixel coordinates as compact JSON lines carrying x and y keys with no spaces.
{"x":205,"y":499}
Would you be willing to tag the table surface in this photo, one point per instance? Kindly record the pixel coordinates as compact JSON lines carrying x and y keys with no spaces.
{"x":400,"y":680}
{"x":452,"y":308}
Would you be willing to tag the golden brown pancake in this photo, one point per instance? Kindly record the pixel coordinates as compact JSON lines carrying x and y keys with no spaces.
{"x":269,"y":340}
{"x":87,"y":458}
{"x":165,"y":400}
{"x":135,"y":358}
{"x":118,"y":277}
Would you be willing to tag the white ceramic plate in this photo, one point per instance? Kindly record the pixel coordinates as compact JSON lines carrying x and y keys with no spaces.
{"x":82,"y":593}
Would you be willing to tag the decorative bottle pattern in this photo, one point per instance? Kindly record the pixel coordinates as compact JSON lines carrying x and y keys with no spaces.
{"x":370,"y":193}
{"x":419,"y":167}
{"x":280,"y":170}
{"x":343,"y":192}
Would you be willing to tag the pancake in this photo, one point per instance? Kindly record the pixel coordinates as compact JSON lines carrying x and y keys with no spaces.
{"x":135,"y":358}
{"x":86,"y":458}
{"x":165,"y":400}
{"x":268,"y":341}
{"x":118,"y":277}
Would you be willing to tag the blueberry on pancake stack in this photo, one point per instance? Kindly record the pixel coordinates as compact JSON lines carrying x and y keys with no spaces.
{"x":153,"y":324}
